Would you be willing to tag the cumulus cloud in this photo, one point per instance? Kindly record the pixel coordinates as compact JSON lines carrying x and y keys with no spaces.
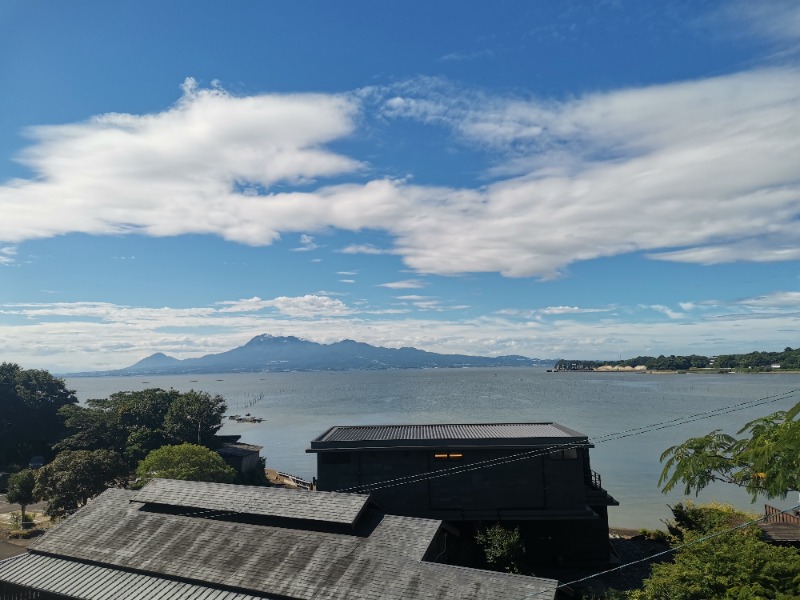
{"x":701,"y":171}
{"x":205,"y":165}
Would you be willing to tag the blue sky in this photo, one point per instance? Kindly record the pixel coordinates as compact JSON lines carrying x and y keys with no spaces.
{"x":553,"y":179}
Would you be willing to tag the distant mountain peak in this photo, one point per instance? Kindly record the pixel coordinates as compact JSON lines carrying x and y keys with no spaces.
{"x":266,"y":338}
{"x":265,"y":353}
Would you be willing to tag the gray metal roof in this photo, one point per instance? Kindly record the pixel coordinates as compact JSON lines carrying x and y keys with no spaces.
{"x":380,"y":560}
{"x":483,"y":434}
{"x":239,"y":449}
{"x":329,"y":507}
{"x":92,"y":582}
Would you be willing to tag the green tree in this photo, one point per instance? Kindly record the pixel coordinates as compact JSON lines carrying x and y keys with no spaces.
{"x":188,"y":462}
{"x":502,"y":547}
{"x":20,"y":490}
{"x":195,"y":417}
{"x":734,"y":564}
{"x":74,"y":477}
{"x":29,"y":419}
{"x":766,"y":461}
{"x":135,"y":423}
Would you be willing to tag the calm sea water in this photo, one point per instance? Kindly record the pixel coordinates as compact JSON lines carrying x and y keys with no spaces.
{"x":297,"y":407}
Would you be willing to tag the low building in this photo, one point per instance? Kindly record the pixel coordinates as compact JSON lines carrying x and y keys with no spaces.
{"x":244,"y":458}
{"x":204,"y":541}
{"x":536,"y":476}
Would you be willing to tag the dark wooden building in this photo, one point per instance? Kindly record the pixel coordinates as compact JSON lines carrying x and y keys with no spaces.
{"x":244,"y":458}
{"x":536,"y":476}
{"x":183,"y":540}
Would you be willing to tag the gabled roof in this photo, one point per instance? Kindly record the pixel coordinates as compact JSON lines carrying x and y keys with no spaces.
{"x":515,"y":435}
{"x":381,"y":557}
{"x":255,"y":500}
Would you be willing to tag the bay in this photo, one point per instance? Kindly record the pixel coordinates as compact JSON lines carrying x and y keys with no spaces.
{"x":610,"y":408}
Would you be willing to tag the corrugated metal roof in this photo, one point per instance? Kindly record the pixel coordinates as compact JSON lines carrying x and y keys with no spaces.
{"x":475,"y":431}
{"x":381,"y":560}
{"x":92,"y":582}
{"x":329,"y":507}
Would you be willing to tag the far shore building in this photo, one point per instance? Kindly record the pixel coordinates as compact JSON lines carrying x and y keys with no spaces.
{"x":182,"y":540}
{"x":535,"y":476}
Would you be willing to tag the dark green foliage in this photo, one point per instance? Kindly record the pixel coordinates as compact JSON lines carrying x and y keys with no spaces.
{"x":735,"y":564}
{"x":135,"y":423}
{"x":195,"y":417}
{"x":29,"y":413}
{"x":20,"y":490}
{"x":74,"y":477}
{"x":502,"y":547}
{"x":766,"y":461}
{"x":188,"y":462}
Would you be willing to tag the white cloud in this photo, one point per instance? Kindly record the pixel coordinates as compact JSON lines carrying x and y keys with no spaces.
{"x":701,"y":171}
{"x":665,"y":310}
{"x":405,"y":284}
{"x":347,"y":281}
{"x":690,"y":167}
{"x":567,"y":310}
{"x":308,"y":244}
{"x":777,"y":301}
{"x":189,"y":169}
{"x":7,"y":255}
{"x":309,"y":306}
{"x":363,"y":249}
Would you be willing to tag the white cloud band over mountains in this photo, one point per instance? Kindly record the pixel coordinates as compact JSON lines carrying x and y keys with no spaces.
{"x":704,"y":171}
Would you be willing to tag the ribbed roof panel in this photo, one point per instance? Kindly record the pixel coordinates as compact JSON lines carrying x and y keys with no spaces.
{"x":328,"y":507}
{"x":476,"y":431}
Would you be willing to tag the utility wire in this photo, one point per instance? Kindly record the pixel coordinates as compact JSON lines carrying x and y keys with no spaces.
{"x":458,"y":469}
{"x":665,"y":552}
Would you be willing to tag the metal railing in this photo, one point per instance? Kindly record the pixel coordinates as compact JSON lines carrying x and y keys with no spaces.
{"x":594,"y":480}
{"x":298,"y":482}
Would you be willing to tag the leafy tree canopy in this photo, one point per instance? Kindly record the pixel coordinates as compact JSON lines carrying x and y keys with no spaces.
{"x":74,"y":477}
{"x":29,"y":419}
{"x":766,"y":461}
{"x":195,"y":417}
{"x":188,"y":462}
{"x":735,"y":564}
{"x":135,"y":423}
{"x":20,"y":490}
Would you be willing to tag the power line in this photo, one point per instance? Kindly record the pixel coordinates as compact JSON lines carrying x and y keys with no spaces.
{"x":666,"y":552}
{"x":458,"y":469}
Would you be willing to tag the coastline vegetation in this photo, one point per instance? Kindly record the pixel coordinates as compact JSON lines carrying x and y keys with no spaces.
{"x":786,"y":360}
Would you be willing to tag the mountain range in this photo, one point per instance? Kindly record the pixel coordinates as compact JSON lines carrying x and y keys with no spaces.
{"x":266,"y":353}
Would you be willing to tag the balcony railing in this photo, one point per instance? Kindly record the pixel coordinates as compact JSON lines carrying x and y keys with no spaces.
{"x":594,"y":481}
